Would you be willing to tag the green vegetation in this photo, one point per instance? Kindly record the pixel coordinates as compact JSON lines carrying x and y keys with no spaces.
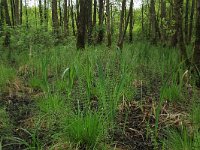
{"x":70,"y":82}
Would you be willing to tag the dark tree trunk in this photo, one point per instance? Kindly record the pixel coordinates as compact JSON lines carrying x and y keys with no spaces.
{"x":120,"y":44}
{"x":163,"y":17}
{"x":6,"y":11}
{"x":55,"y":17}
{"x":191,"y":21}
{"x":40,"y":12}
{"x":179,"y":22}
{"x":26,"y":11}
{"x":1,"y":18}
{"x":131,"y":22}
{"x":21,"y":12}
{"x":100,"y":33}
{"x":196,"y":56}
{"x":108,"y":23}
{"x":81,"y":25}
{"x":12,"y":11}
{"x":153,"y":21}
{"x":46,"y":14}
{"x":16,"y":4}
{"x":186,"y":20}
{"x":95,"y":13}
{"x":89,"y":21}
{"x":72,"y":19}
{"x":142,"y":9}
{"x":66,"y":17}
{"x":60,"y":14}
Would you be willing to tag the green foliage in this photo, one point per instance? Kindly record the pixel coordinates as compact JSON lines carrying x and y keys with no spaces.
{"x":87,"y":130}
{"x":5,"y":124}
{"x":7,"y":75}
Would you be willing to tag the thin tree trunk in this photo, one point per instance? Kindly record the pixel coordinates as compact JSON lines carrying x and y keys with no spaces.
{"x":60,"y":14}
{"x":196,"y":57}
{"x":186,"y":20}
{"x":153,"y":22}
{"x":17,"y":12}
{"x":163,"y":17}
{"x":40,"y":12}
{"x":108,"y":23}
{"x":21,"y":12}
{"x":26,"y":11}
{"x":72,"y":19}
{"x":55,"y":17}
{"x":179,"y":21}
{"x":7,"y":16}
{"x":12,"y":11}
{"x":89,"y":21}
{"x":66,"y":17}
{"x":120,"y":44}
{"x":81,"y":20}
{"x":142,"y":9}
{"x":100,"y":33}
{"x":46,"y":14}
{"x":95,"y":13}
{"x":131,"y":22}
{"x":191,"y":21}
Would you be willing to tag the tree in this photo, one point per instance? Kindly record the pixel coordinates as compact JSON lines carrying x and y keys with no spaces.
{"x":16,"y":8}
{"x":179,"y":22}
{"x":131,"y":22}
{"x":81,"y":25}
{"x":191,"y":21}
{"x":163,"y":17}
{"x":89,"y":21}
{"x":153,"y":21}
{"x":6,"y":11}
{"x":65,"y":18}
{"x":186,"y":20}
{"x":196,"y":56}
{"x":108,"y":23}
{"x":40,"y":12}
{"x":55,"y":17}
{"x":46,"y":14}
{"x":101,"y":11}
{"x":95,"y":13}
{"x":120,"y":44}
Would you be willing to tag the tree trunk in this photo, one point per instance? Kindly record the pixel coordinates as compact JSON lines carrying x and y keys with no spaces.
{"x":81,"y":25}
{"x":1,"y":18}
{"x":179,"y":21}
{"x":131,"y":22}
{"x":120,"y":44}
{"x":142,"y":9}
{"x":95,"y":13}
{"x":186,"y":20}
{"x":108,"y":23}
{"x":55,"y":17}
{"x":100,"y":33}
{"x":26,"y":11}
{"x":40,"y":12}
{"x":163,"y":17}
{"x":72,"y":19}
{"x":60,"y":14}
{"x":65,"y":18}
{"x":16,"y":4}
{"x":191,"y":21}
{"x":46,"y":14}
{"x":153,"y":21}
{"x":21,"y":12}
{"x":6,"y":11}
{"x":89,"y":21}
{"x":12,"y":11}
{"x":196,"y":56}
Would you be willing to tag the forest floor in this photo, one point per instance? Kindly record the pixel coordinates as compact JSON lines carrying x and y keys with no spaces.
{"x":148,"y":102}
